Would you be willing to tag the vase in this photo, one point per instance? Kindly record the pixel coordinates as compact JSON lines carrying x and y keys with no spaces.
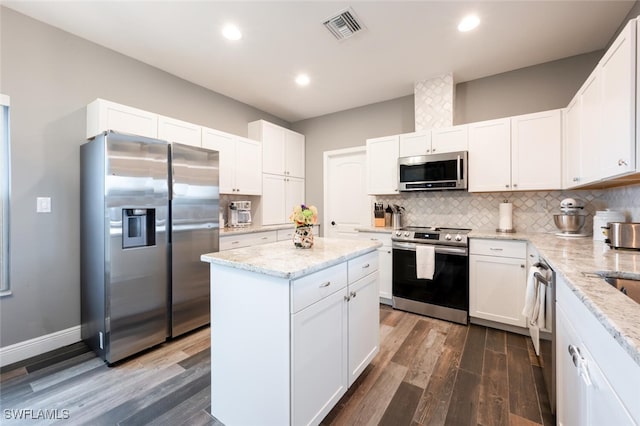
{"x":303,"y":236}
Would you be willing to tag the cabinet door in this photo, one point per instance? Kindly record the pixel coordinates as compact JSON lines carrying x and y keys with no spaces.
{"x":496,"y":289}
{"x":273,"y":199}
{"x":172,"y":130}
{"x":294,"y":195}
{"x":364,"y":329}
{"x":273,"y":146}
{"x":570,"y":388}
{"x":105,"y":115}
{"x":418,"y":143}
{"x":490,"y":156}
{"x":318,"y":358}
{"x":449,"y":139}
{"x":248,"y":167}
{"x":294,"y":154}
{"x":571,"y":145}
{"x":590,"y":128}
{"x":536,"y":151}
{"x":224,"y":143}
{"x":382,"y":165}
{"x":618,"y":76}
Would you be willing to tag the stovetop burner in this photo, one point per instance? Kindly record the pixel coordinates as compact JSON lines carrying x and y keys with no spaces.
{"x":432,"y":235}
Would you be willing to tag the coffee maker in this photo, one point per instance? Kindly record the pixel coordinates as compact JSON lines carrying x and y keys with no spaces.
{"x":239,"y":213}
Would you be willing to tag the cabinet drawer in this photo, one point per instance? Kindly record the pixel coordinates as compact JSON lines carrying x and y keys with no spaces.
{"x":229,"y":242}
{"x":314,"y":287}
{"x":362,"y":266}
{"x":383,"y":237}
{"x":501,"y":248}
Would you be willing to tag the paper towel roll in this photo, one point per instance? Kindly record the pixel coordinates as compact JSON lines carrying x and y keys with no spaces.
{"x":506,"y":223}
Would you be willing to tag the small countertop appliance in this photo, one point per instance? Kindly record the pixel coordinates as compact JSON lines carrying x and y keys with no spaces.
{"x":239,"y":213}
{"x":571,"y":220}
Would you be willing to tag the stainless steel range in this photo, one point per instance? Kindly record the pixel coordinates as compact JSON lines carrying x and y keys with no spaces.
{"x":446,"y":294}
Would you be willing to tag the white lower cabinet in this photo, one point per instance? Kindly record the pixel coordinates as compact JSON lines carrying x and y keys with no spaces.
{"x":497,"y":281}
{"x":332,"y":339}
{"x":597,"y":381}
{"x":386,"y":263}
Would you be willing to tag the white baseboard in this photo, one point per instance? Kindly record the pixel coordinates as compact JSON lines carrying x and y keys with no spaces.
{"x":30,"y":348}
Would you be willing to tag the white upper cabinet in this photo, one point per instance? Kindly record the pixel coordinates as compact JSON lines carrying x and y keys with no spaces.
{"x":105,"y":115}
{"x":382,"y":165}
{"x":618,"y":75}
{"x":449,"y":139}
{"x":536,"y":151}
{"x":600,"y":137}
{"x":490,"y":156}
{"x":240,"y":162}
{"x":172,"y":130}
{"x":283,"y":149}
{"x":416,"y":143}
{"x":434,"y":141}
{"x":520,"y":153}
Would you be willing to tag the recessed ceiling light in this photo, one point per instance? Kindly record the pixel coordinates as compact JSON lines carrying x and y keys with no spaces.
{"x":468,"y":23}
{"x":302,"y":80}
{"x":231,"y":32}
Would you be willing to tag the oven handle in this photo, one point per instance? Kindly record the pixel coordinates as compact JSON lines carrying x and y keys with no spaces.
{"x":459,"y":251}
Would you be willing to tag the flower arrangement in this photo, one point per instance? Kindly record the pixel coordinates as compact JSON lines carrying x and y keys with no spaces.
{"x":303,"y":215}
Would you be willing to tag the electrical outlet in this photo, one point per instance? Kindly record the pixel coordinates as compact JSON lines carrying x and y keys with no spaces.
{"x":43,"y":204}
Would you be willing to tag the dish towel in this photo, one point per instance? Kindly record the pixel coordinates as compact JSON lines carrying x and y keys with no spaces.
{"x":534,"y":305}
{"x":425,"y":261}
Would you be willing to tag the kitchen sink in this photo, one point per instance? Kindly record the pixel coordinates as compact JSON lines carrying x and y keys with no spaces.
{"x":630,"y":286}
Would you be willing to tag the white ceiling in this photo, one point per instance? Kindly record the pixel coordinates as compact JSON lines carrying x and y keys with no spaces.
{"x":403,"y":42}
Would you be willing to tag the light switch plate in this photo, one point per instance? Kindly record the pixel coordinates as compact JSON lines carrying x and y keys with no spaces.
{"x":43,"y":204}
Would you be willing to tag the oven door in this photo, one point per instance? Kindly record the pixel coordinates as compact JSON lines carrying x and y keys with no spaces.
{"x":449,"y":287}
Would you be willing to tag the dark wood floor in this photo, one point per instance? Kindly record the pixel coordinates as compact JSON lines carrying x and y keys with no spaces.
{"x":428,"y":372}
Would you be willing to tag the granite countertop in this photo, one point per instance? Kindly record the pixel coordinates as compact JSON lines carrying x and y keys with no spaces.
{"x":574,"y":259}
{"x":284,"y":260}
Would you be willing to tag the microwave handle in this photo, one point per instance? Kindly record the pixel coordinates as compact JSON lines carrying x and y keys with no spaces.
{"x":458,"y":168}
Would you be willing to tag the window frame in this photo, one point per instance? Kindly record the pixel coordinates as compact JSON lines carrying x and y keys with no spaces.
{"x":5,"y":194}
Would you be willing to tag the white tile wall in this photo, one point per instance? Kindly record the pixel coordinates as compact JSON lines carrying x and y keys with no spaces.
{"x":625,"y":199}
{"x":433,"y":100}
{"x":532,"y":211}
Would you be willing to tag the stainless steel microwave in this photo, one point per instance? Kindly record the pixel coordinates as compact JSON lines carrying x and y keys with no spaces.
{"x":433,"y":172}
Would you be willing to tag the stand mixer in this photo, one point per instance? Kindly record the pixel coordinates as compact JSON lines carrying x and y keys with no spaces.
{"x":570,"y":221}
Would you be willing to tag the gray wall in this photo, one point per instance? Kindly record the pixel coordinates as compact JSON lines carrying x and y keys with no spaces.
{"x":50,"y":76}
{"x":537,"y":88}
{"x":348,"y":129}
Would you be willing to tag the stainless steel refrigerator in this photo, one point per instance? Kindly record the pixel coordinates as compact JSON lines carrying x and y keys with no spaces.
{"x":148,"y":211}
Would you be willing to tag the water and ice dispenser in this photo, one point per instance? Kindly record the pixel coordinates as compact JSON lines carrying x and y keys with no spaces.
{"x":138,"y":228}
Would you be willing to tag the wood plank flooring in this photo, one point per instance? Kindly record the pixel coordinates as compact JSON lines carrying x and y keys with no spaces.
{"x":428,"y":372}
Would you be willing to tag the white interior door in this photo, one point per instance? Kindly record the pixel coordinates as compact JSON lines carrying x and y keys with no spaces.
{"x":346,"y":203}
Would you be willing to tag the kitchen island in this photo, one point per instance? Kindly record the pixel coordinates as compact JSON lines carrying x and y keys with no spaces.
{"x":291,"y":329}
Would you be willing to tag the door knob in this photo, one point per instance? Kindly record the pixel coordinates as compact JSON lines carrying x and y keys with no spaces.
{"x":333,"y":223}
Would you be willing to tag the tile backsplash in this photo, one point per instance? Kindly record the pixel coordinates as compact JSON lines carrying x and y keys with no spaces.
{"x":532,"y":211}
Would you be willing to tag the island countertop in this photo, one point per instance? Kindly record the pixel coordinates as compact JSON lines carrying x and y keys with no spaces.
{"x":284,"y":260}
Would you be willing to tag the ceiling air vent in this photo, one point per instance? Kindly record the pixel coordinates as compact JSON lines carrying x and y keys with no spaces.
{"x":344,"y":24}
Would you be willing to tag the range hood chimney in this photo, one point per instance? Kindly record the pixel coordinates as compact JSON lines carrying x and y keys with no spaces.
{"x":433,"y":102}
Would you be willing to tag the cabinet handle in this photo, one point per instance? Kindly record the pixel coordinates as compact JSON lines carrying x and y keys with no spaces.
{"x":353,"y":294}
{"x":264,"y":238}
{"x":495,"y":249}
{"x":522,"y":266}
{"x":389,"y":251}
{"x":365,"y":266}
{"x":621,"y":162}
{"x":235,"y":242}
{"x":327,"y":284}
{"x":515,"y":185}
{"x":347,"y":298}
{"x":428,"y":151}
{"x":506,"y":186}
{"x":433,"y":150}
{"x":374,"y":239}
